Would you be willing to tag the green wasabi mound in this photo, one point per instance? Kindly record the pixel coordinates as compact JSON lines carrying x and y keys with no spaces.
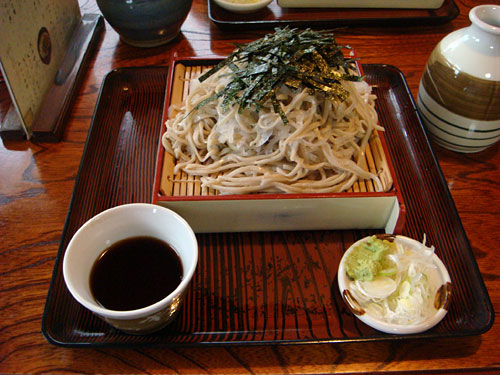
{"x":368,"y":260}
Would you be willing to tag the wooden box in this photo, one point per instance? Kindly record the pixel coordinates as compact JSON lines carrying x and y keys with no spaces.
{"x":207,"y":211}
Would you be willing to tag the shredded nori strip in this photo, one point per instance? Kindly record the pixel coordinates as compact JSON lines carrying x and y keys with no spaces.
{"x":286,"y":57}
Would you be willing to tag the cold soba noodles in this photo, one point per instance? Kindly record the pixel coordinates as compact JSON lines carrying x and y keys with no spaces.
{"x":286,"y":113}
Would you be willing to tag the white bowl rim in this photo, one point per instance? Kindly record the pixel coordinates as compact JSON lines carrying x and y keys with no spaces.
{"x":380,"y":324}
{"x":148,"y":310}
{"x":478,"y":14}
{"x":243,"y":7}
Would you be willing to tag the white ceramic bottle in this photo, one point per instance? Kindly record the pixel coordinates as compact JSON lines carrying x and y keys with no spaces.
{"x":459,"y":93}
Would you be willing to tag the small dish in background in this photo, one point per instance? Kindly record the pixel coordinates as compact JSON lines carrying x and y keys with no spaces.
{"x":388,"y":4}
{"x":243,"y":6}
{"x":365,"y":309}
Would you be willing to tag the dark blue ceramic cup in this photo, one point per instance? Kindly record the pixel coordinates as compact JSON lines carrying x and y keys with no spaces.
{"x":145,"y":23}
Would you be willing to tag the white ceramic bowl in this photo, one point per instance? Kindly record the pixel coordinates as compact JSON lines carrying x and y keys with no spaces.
{"x":237,"y":7}
{"x":442,"y":297}
{"x":113,"y":225}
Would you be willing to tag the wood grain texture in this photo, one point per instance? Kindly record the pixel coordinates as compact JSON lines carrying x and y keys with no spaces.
{"x":36,"y":183}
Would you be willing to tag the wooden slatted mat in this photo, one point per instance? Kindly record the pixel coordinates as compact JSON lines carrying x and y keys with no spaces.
{"x":181,"y":184}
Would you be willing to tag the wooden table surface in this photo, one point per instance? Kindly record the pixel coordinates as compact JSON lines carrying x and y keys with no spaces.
{"x":36,"y":182}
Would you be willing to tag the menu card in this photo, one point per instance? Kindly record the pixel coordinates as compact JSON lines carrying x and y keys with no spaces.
{"x":36,"y":37}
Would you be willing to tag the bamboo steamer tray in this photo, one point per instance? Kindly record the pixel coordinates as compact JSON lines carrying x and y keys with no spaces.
{"x":207,"y":210}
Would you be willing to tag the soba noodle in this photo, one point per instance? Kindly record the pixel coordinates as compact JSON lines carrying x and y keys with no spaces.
{"x":318,"y":151}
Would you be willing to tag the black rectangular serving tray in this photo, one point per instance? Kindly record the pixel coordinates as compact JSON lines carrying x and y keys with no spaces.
{"x":264,"y":287}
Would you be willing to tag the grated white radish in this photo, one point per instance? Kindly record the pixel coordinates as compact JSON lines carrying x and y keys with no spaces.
{"x":407,"y":296}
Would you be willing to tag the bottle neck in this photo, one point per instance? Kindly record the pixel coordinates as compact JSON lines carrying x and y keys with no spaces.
{"x":487,"y":19}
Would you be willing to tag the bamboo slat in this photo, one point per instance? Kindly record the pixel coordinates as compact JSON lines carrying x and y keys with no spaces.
{"x":180,"y":184}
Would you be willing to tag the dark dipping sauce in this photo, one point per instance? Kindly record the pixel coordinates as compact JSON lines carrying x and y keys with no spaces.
{"x":135,"y":272}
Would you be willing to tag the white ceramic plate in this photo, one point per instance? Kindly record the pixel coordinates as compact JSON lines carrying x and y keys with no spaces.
{"x":442,"y":297}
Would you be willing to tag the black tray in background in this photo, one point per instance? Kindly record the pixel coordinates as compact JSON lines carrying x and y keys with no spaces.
{"x":275,"y":16}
